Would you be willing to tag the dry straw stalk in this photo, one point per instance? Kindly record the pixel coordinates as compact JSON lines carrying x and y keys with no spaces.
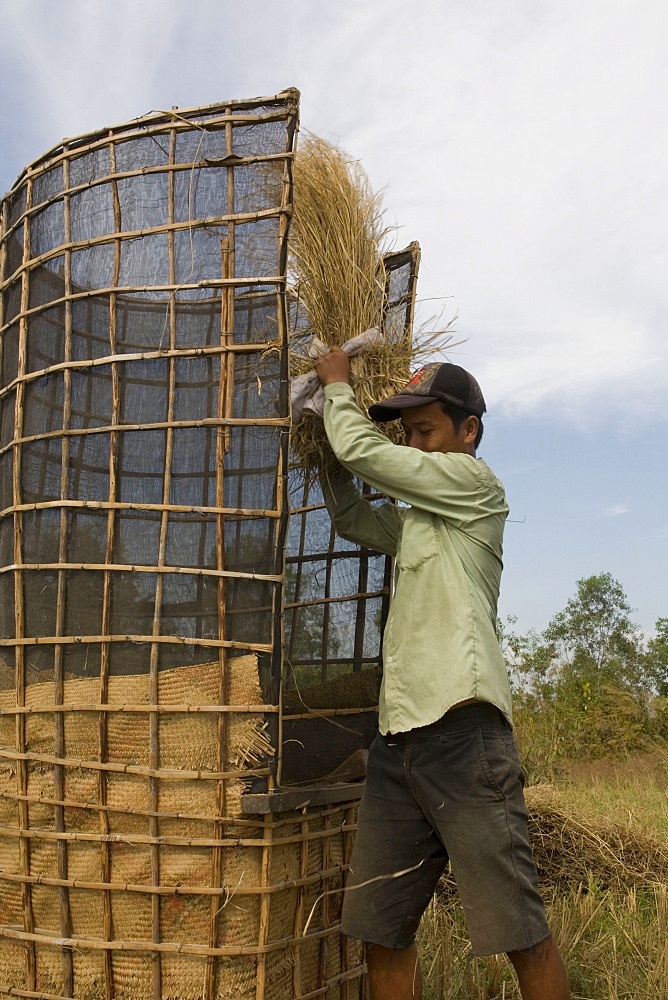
{"x":337,"y":243}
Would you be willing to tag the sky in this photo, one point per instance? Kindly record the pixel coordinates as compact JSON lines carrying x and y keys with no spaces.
{"x":523,"y":144}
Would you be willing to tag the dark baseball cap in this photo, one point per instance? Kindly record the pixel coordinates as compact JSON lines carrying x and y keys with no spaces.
{"x":432,"y":383}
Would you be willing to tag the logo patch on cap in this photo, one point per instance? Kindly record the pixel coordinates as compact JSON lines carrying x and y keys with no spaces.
{"x":421,"y":379}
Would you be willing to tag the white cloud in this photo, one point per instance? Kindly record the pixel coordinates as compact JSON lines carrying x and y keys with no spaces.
{"x":525,"y":145}
{"x":528,"y":156}
{"x":84,"y":66}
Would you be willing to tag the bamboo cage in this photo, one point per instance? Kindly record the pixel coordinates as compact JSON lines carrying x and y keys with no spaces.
{"x":187,"y":653}
{"x":336,"y":600}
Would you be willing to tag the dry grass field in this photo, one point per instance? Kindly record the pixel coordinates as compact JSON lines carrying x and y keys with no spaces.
{"x":601,"y":841}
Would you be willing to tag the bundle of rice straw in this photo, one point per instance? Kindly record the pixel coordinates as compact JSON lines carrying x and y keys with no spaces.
{"x":573,"y":852}
{"x":337,"y":242}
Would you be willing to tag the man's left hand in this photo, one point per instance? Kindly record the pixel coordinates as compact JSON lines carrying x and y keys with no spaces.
{"x":333,"y":367}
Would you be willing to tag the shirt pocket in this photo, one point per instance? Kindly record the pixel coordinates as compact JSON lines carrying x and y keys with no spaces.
{"x":418,"y":541}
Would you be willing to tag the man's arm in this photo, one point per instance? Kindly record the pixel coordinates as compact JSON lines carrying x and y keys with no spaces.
{"x":449,"y":485}
{"x":354,"y":518}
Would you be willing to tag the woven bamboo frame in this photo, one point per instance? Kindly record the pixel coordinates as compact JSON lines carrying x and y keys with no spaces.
{"x":312,"y":953}
{"x":129,"y":865}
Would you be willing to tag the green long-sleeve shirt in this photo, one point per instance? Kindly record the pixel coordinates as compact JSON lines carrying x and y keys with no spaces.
{"x":440,"y":646}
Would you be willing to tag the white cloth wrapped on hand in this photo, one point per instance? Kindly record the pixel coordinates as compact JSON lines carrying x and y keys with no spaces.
{"x":306,"y":395}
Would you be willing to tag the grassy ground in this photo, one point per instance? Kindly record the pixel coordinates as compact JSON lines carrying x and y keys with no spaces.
{"x":614,"y":940}
{"x":632,"y":791}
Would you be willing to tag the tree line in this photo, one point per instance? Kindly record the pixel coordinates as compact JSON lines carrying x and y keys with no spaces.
{"x":590,"y":684}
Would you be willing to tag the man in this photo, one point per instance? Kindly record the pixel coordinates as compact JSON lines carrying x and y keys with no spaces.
{"x":443,"y":782}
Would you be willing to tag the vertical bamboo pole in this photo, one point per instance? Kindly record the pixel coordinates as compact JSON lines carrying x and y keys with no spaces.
{"x":326,"y":615}
{"x":300,"y":915}
{"x":106,"y":625}
{"x":61,"y":599}
{"x":265,"y":904}
{"x":4,"y":225}
{"x":282,"y":522}
{"x":282,"y":498}
{"x":294,"y":612}
{"x":19,"y":608}
{"x":361,"y":605}
{"x":349,"y":827}
{"x":325,"y":944}
{"x":223,"y":440}
{"x":154,"y":693}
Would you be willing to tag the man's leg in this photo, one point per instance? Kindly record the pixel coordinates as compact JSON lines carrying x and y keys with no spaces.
{"x":541,"y":972}
{"x":394,"y":973}
{"x":396,"y":863}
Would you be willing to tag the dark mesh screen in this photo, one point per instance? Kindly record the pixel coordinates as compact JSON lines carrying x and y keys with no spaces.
{"x":147,"y":520}
{"x":144,"y":412}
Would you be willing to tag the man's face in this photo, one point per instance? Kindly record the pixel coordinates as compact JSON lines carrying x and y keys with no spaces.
{"x":428,"y":428}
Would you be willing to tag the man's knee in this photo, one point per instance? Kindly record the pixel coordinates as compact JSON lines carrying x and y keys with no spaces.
{"x":536,"y":953}
{"x":394,"y":973}
{"x":541,"y":971}
{"x":379,"y":955}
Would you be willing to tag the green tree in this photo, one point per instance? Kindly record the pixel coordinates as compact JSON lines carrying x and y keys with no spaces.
{"x":531,"y":660}
{"x":657,"y":657}
{"x":583,"y":684}
{"x":595,"y":638}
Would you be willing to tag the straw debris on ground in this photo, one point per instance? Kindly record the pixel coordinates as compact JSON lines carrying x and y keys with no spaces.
{"x":572,"y":853}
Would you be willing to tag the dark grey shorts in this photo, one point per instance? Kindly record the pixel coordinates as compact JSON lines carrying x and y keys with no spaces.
{"x":449,"y":791}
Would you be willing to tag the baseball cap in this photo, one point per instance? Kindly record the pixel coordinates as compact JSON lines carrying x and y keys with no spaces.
{"x":445,"y":382}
